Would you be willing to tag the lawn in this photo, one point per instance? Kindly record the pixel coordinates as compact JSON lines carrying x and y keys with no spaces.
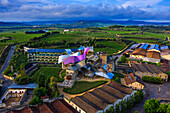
{"x":48,"y":72}
{"x":82,"y":86}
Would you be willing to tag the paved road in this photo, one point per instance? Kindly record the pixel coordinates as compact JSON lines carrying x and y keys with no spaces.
{"x":6,"y":63}
{"x":152,"y":92}
{"x":118,"y":56}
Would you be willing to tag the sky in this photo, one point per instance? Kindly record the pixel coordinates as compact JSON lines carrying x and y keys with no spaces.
{"x":53,"y":10}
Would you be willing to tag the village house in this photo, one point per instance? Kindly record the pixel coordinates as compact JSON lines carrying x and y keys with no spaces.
{"x":145,"y":69}
{"x":17,"y":94}
{"x":129,"y":80}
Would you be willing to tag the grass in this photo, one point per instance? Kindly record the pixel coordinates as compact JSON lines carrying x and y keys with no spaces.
{"x":2,"y":46}
{"x":59,"y":37}
{"x":18,"y":37}
{"x":63,"y":74}
{"x":48,"y":72}
{"x":82,"y":86}
{"x":111,"y":47}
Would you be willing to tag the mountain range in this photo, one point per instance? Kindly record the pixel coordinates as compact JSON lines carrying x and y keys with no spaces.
{"x":81,"y":24}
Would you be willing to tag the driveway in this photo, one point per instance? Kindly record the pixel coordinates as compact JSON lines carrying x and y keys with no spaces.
{"x":6,"y":63}
{"x":152,"y":92}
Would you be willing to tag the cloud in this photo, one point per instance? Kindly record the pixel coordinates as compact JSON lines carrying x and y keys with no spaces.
{"x":5,"y":2}
{"x":29,"y":10}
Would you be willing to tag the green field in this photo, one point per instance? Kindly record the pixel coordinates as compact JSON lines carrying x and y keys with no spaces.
{"x":19,"y":37}
{"x":48,"y":72}
{"x":2,"y":46}
{"x":82,"y":86}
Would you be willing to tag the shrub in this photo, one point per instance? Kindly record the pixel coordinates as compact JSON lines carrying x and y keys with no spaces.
{"x":22,"y":80}
{"x":152,"y":79}
{"x":35,"y":100}
{"x":39,"y":92}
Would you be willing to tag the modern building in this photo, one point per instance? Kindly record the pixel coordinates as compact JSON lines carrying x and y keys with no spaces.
{"x":101,"y":99}
{"x":130,"y":80}
{"x":46,"y":55}
{"x":165,"y":54}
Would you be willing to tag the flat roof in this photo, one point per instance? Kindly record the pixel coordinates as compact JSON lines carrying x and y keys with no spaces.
{"x":50,"y":50}
{"x":26,"y":86}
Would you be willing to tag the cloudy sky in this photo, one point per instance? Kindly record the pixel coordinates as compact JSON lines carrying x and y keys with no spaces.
{"x":41,"y":10}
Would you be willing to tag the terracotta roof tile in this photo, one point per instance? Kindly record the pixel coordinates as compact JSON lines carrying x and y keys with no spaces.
{"x":63,"y":107}
{"x":139,"y":51}
{"x":113,"y":91}
{"x":153,"y":54}
{"x":85,"y":105}
{"x":120,"y":87}
{"x":129,"y":78}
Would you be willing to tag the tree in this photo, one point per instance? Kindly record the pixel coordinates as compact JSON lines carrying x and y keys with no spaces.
{"x":41,"y":80}
{"x":117,"y":110}
{"x":128,"y":104}
{"x":123,"y":106}
{"x":162,"y":108}
{"x":111,"y":110}
{"x":132,"y":100}
{"x":22,"y":70}
{"x":137,"y":97}
{"x":151,"y":105}
{"x":22,"y":80}
{"x":168,"y":109}
{"x":39,"y":92}
{"x":122,"y":59}
{"x":35,"y":100}
{"x":52,"y":86}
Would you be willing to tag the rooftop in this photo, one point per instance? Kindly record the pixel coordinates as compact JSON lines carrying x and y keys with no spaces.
{"x":153,"y":54}
{"x":51,"y":50}
{"x":26,"y":86}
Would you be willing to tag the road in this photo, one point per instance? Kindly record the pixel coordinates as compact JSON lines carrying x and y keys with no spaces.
{"x":6,"y":63}
{"x":118,"y":56}
{"x":165,"y":93}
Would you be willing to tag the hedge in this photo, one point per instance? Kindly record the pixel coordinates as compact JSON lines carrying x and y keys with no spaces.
{"x":152,"y":79}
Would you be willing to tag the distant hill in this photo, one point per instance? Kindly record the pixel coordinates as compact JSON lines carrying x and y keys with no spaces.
{"x":81,"y":24}
{"x":104,"y":23}
{"x":11,"y":24}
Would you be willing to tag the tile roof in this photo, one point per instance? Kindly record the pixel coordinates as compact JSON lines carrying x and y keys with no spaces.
{"x":139,"y":51}
{"x":120,"y":87}
{"x":104,"y":96}
{"x":63,"y":107}
{"x":111,"y":90}
{"x":153,"y":54}
{"x":100,"y":103}
{"x":57,"y":106}
{"x":129,"y":78}
{"x":100,"y":98}
{"x":85,"y":105}
{"x":30,"y":109}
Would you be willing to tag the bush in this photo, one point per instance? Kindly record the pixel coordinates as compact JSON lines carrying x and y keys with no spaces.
{"x":152,"y":79}
{"x":122,"y":59}
{"x":22,"y":80}
{"x":35,"y":100}
{"x":39,"y":92}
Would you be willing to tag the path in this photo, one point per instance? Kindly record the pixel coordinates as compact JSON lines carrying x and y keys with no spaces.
{"x":60,"y":73}
{"x":5,"y":65}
